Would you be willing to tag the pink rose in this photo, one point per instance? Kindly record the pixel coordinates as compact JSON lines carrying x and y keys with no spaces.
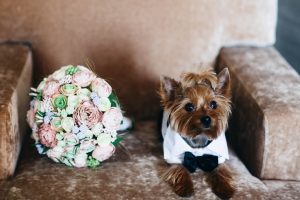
{"x":47,"y":135}
{"x":112,"y":119}
{"x":31,"y":117}
{"x":102,"y":153}
{"x":101,"y":87}
{"x":51,"y":88}
{"x":83,"y":78}
{"x":87,"y":113}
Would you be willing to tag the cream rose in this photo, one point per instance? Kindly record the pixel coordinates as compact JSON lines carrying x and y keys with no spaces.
{"x":83,"y":78}
{"x":101,"y":87}
{"x":83,"y":94}
{"x":56,"y":124}
{"x":87,"y":146}
{"x":112,"y":119}
{"x":104,"y":139}
{"x":55,"y":153}
{"x":71,"y":139}
{"x":68,"y":89}
{"x":103,"y":153}
{"x":67,"y":124}
{"x":41,"y":85}
{"x":59,"y":74}
{"x":80,"y":159}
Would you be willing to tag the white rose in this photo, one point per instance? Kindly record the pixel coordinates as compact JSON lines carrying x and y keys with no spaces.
{"x":55,"y":153}
{"x":87,"y":146}
{"x":71,"y":139}
{"x":103,"y":153}
{"x":41,"y":85}
{"x":67,"y":124}
{"x":104,"y":139}
{"x":97,"y":129}
{"x":80,"y":159}
{"x":112,"y":119}
{"x":59,"y":74}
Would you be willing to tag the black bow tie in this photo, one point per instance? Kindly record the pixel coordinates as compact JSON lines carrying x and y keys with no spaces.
{"x":206,"y":162}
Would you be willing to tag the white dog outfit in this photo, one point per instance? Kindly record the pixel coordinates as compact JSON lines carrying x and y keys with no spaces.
{"x":175,"y":146}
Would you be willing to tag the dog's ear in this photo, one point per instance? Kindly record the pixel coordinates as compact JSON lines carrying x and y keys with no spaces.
{"x":169,"y":90}
{"x":223,"y":85}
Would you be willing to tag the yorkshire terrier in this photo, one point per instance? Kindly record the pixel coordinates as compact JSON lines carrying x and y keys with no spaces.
{"x":196,"y":111}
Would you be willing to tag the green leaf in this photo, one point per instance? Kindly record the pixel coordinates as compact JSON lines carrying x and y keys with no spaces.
{"x":39,"y":95}
{"x":117,"y":141}
{"x":114,"y":100}
{"x":92,"y":162}
{"x":41,"y":114}
{"x":72,"y":70}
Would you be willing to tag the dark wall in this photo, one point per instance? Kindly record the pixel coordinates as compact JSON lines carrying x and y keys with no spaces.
{"x":288,"y":31}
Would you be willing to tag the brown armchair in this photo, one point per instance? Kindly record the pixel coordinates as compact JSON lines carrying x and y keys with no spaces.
{"x":132,"y":44}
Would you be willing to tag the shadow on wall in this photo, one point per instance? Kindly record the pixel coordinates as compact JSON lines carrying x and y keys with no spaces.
{"x":132,"y":83}
{"x":113,"y":62}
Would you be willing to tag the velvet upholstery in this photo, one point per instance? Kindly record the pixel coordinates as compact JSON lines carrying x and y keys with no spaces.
{"x":132,"y":43}
{"x":266,"y":119}
{"x":15,"y":81}
{"x":131,"y":174}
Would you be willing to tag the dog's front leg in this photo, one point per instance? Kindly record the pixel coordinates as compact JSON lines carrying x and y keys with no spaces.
{"x":222,"y":182}
{"x":178,"y":177}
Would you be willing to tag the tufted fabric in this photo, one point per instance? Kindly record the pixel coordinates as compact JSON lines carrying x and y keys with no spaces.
{"x":265,"y":126}
{"x":133,"y":43}
{"x":15,"y":80}
{"x":131,"y":175}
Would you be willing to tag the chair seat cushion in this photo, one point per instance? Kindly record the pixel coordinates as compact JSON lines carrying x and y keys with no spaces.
{"x":130,"y":174}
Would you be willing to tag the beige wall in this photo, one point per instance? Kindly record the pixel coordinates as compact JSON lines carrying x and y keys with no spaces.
{"x":133,"y":42}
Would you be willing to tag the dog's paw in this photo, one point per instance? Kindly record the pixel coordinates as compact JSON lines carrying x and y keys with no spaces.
{"x":184,"y":188}
{"x":224,"y":190}
{"x":180,"y":180}
{"x":222,"y":182}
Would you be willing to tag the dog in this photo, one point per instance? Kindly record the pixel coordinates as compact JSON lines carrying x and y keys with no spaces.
{"x":195,"y":116}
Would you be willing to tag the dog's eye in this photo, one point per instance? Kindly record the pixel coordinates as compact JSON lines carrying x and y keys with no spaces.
{"x":213,"y":104}
{"x":189,"y":107}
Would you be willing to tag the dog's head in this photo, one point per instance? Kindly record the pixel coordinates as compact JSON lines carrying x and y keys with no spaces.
{"x":199,"y":105}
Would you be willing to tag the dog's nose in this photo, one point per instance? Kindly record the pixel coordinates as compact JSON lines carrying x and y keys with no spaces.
{"x":206,"y":121}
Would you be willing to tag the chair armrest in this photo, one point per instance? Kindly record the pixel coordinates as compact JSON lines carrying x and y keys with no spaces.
{"x":265,"y":124}
{"x":15,"y":81}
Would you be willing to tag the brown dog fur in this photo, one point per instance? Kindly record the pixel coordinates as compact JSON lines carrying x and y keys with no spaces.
{"x":200,"y":89}
{"x":180,"y":180}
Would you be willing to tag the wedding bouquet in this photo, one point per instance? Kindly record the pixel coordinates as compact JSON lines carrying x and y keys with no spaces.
{"x":74,"y":117}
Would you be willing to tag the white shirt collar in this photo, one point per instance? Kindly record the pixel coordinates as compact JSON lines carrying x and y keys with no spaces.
{"x":174,"y":146}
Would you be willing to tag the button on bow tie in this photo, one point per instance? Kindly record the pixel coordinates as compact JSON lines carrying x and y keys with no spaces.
{"x":206,"y":162}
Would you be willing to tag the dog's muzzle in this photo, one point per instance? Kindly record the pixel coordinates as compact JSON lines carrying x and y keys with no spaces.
{"x":200,"y":141}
